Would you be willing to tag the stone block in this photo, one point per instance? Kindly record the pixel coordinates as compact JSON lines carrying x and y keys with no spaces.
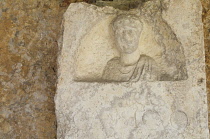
{"x":132,"y":74}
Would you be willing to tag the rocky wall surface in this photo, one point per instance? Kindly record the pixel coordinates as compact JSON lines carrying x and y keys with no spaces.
{"x":29,"y":31}
{"x":28,"y":43}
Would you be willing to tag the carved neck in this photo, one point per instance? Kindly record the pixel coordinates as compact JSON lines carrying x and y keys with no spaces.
{"x":130,"y":59}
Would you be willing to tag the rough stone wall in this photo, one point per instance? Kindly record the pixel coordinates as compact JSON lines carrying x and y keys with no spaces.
{"x":28,"y":47}
{"x":29,"y":31}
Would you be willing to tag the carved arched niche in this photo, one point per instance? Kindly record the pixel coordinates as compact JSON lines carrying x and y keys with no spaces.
{"x":129,"y":46}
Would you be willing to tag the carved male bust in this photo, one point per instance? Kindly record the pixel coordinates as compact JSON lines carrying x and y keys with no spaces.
{"x":129,"y":49}
{"x":130,"y":66}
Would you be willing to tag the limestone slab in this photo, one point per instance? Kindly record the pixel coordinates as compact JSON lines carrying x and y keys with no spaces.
{"x":132,"y":74}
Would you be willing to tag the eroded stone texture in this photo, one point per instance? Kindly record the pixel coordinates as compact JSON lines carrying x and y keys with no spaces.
{"x":28,"y":49}
{"x":159,"y":109}
{"x":45,"y":128}
{"x":206,"y":22}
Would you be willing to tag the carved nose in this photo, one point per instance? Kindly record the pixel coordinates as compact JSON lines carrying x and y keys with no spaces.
{"x":128,"y":37}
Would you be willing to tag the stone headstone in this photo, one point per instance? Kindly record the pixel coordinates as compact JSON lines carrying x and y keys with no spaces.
{"x":137,"y":74}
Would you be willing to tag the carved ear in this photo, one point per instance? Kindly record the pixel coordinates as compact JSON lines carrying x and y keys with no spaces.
{"x":165,"y":4}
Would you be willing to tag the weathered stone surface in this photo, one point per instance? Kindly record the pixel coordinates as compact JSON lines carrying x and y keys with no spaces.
{"x":159,"y":109}
{"x":28,"y":50}
{"x":44,"y":125}
{"x":206,"y":23}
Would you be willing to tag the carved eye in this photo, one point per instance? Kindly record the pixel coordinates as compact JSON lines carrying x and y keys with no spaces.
{"x":129,"y":32}
{"x":123,"y":32}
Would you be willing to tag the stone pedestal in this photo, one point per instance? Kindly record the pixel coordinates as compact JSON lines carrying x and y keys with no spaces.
{"x":132,"y":74}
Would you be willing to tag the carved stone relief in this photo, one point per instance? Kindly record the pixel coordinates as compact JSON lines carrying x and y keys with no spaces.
{"x":132,"y":74}
{"x":134,"y":53}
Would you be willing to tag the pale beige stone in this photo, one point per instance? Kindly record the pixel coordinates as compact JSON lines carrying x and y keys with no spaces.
{"x":90,"y":106}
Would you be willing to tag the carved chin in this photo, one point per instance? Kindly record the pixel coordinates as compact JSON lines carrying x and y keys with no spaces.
{"x":129,"y":48}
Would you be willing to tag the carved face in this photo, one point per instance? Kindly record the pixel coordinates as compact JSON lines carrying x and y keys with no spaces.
{"x":127,"y":30}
